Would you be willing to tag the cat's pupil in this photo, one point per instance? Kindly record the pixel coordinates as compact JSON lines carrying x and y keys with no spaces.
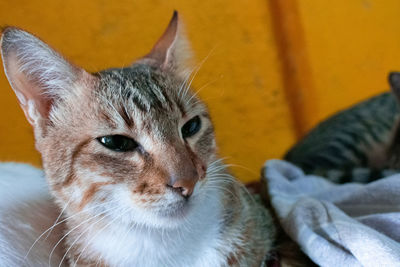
{"x":118,"y":143}
{"x":191,"y":127}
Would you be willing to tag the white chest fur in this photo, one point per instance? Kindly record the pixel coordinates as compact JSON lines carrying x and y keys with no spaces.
{"x":196,"y":242}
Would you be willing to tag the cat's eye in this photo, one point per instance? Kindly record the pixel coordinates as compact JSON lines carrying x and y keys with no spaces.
{"x":118,"y":143}
{"x":191,"y":127}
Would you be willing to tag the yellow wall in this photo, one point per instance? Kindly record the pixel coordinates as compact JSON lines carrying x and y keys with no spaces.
{"x":352,"y":45}
{"x":277,"y":67}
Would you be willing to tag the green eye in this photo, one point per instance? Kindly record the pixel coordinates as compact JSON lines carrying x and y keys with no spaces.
{"x":191,"y":127}
{"x":118,"y":143}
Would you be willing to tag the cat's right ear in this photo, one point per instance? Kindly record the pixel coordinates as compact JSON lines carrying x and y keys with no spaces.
{"x":37,"y":74}
{"x":172,"y":51}
{"x":394,"y":81}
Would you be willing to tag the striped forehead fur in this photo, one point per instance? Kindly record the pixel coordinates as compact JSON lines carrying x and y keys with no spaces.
{"x":138,"y":83}
{"x":142,"y":91}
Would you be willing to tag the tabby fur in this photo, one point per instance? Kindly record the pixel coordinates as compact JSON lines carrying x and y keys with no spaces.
{"x":359,"y":144}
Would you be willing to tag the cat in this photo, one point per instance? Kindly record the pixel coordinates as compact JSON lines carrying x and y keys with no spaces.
{"x":358,"y":144}
{"x":131,"y":160}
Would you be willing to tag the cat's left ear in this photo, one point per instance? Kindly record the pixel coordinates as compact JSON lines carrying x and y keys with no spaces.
{"x":172,"y":51}
{"x":38,"y":75}
{"x":394,"y":81}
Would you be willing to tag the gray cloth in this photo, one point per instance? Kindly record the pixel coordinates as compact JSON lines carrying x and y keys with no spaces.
{"x":337,"y":225}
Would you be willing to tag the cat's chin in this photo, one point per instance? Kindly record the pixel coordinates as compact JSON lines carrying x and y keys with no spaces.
{"x":174,"y":215}
{"x":170,"y":216}
{"x":177,"y":210}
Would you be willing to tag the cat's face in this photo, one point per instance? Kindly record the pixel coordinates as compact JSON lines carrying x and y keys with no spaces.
{"x":135,"y":138}
{"x":127,"y":140}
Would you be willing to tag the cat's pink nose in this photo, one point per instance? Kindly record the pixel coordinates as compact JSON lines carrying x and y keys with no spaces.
{"x":183,"y":186}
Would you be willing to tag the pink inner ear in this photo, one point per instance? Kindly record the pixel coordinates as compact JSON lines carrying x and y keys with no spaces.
{"x":160,"y":51}
{"x":27,"y":91}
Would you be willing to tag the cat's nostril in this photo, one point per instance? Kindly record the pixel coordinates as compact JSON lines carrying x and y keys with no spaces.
{"x":185,"y":191}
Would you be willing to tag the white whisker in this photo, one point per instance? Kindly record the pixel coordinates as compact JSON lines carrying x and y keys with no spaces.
{"x":70,"y":231}
{"x":185,"y":91}
{"x":58,"y":223}
{"x":95,"y":235}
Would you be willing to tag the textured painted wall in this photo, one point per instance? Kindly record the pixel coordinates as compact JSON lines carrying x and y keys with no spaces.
{"x":352,"y":45}
{"x":245,"y":93}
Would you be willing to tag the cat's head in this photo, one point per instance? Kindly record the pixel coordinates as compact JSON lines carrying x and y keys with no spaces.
{"x":135,"y":138}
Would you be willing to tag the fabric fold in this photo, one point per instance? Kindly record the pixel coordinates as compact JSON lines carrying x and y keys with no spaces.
{"x":337,"y":224}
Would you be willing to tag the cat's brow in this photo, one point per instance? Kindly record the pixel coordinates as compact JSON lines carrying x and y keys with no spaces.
{"x":125,"y":116}
{"x":106,"y":118}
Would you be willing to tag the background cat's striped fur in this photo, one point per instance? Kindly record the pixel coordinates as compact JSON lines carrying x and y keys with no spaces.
{"x":357,"y":144}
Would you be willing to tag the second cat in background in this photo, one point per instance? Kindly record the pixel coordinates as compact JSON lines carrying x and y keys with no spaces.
{"x":359,"y":144}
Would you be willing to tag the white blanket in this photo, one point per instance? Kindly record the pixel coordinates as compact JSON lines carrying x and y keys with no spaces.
{"x":27,"y":211}
{"x":337,"y":225}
